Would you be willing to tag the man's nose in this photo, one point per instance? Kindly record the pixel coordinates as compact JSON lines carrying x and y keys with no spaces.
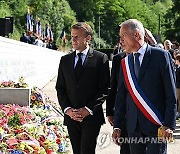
{"x":121,"y":40}
{"x":73,"y":39}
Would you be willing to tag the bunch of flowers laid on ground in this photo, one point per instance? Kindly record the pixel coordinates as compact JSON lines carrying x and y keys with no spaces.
{"x":14,"y":115}
{"x":31,"y":130}
{"x":11,"y":84}
{"x":36,"y":97}
{"x":39,"y":99}
{"x":37,"y":129}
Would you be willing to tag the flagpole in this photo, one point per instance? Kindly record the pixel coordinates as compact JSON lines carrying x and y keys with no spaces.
{"x":99,"y":31}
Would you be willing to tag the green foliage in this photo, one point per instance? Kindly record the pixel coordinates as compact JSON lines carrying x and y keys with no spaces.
{"x":4,"y":9}
{"x":110,"y":20}
{"x":14,"y":120}
{"x":108,"y":14}
{"x":55,"y":12}
{"x":172,"y":19}
{"x":16,"y":34}
{"x":103,"y":15}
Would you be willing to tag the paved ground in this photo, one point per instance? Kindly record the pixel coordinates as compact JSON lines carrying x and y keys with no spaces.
{"x":105,"y":144}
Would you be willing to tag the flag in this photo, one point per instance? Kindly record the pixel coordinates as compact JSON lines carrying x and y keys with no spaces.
{"x":50,"y":34}
{"x":47,"y":35}
{"x":63,"y":35}
{"x":38,"y":28}
{"x":28,"y":23}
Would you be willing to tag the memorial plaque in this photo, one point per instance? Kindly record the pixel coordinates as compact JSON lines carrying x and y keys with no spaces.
{"x":20,"y":96}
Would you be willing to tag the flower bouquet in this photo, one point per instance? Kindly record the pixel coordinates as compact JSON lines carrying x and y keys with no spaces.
{"x":12,"y":84}
{"x":22,"y":130}
{"x":38,"y":129}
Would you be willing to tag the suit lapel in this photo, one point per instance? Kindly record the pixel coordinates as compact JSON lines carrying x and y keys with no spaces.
{"x":145,"y":62}
{"x":88,"y":57}
{"x":87,"y":60}
{"x":71,"y":64}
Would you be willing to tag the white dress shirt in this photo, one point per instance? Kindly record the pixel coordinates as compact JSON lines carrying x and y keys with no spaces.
{"x":142,"y":51}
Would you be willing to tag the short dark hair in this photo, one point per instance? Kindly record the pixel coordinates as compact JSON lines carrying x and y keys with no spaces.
{"x":84,"y":26}
{"x":178,"y":57}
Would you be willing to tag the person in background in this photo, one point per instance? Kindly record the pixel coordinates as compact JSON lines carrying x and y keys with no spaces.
{"x":110,"y":101}
{"x":161,"y":45}
{"x":25,"y":38}
{"x":54,"y":47}
{"x":149,"y":38}
{"x":82,"y":87}
{"x":168,"y":47}
{"x":177,"y":58}
{"x":117,"y":49}
{"x":175,"y":45}
{"x":175,"y":53}
{"x":38,"y":41}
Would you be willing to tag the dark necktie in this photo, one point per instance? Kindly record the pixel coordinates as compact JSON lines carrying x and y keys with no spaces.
{"x":78,"y":66}
{"x":136,"y":64}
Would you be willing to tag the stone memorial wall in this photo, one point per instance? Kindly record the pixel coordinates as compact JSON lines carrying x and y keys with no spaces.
{"x":37,"y":65}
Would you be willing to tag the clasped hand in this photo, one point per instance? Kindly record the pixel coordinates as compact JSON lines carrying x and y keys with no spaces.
{"x":167,"y":134}
{"x":77,"y":114}
{"x":116,"y":136}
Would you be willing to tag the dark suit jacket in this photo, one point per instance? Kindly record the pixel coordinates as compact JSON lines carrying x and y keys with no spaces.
{"x":110,"y":101}
{"x":177,"y":77}
{"x":156,"y":79}
{"x":89,"y":90}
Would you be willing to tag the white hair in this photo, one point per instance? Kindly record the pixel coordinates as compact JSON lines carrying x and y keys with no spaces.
{"x":134,"y":25}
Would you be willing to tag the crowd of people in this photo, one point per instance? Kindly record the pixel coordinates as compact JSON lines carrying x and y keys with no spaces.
{"x":32,"y":38}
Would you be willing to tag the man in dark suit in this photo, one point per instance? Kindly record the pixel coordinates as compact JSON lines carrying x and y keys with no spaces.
{"x":82,"y":87}
{"x":151,"y":74}
{"x":110,"y":101}
{"x":117,"y":49}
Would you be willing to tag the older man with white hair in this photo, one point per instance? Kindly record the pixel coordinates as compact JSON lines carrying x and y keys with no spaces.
{"x":146,"y":94}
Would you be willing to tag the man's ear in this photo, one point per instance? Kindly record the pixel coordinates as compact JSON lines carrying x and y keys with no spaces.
{"x":88,"y":38}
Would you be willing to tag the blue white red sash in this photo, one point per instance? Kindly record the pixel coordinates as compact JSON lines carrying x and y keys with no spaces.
{"x":138,"y":96}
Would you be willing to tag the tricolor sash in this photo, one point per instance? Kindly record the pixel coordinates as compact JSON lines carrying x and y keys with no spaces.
{"x":138,"y":96}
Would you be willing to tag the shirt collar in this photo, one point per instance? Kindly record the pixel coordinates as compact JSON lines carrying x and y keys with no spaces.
{"x":84,"y":52}
{"x":142,"y":50}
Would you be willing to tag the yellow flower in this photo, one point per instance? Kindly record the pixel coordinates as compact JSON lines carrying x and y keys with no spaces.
{"x":33,"y":98}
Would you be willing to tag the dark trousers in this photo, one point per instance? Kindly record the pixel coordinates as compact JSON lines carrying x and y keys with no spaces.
{"x":125,"y":149}
{"x":142,"y":143}
{"x":83,"y":137}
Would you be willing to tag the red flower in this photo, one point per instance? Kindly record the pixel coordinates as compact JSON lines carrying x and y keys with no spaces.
{"x":41,"y":143}
{"x":26,"y":151}
{"x":58,"y":141}
{"x":42,"y":138}
{"x":18,"y":131}
{"x":58,"y":135}
{"x":11,"y":146}
{"x":49,"y":151}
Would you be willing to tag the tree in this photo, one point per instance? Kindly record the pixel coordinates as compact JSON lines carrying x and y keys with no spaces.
{"x":172,"y":22}
{"x":55,"y":12}
{"x":4,"y":9}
